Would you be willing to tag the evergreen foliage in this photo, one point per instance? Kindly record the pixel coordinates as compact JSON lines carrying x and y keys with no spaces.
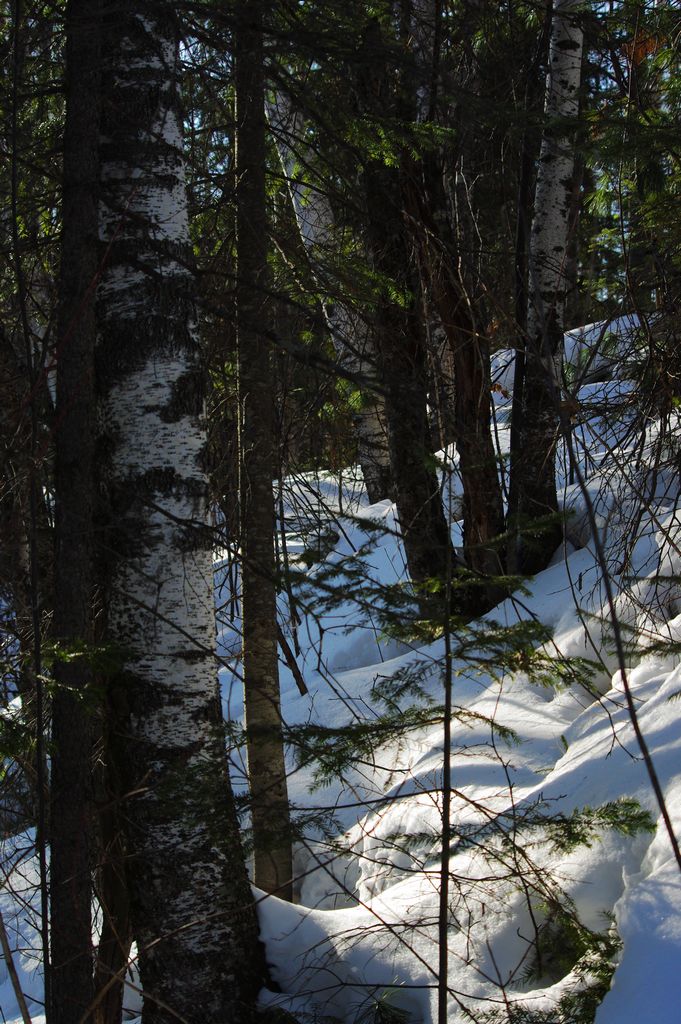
{"x":411,"y":145}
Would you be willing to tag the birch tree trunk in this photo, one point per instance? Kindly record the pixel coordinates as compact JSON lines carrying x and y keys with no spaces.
{"x":73,"y":708}
{"x":352,"y":337}
{"x":265,"y":746}
{"x":534,"y":518}
{"x":191,"y":907}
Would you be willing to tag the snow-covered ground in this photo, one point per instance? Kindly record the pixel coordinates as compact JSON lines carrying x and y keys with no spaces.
{"x":366,"y":929}
{"x":560,"y":866}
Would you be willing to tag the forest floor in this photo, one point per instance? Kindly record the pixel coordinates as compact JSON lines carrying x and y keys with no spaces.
{"x":562,"y":891}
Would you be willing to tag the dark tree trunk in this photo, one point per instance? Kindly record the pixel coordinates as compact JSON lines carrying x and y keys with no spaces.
{"x":115,"y":940}
{"x":352,"y":337}
{"x":266,"y":766}
{"x":73,"y":709}
{"x":483,"y":519}
{"x":522,"y":237}
{"x":20,"y":797}
{"x":529,"y":154}
{"x":191,"y":906}
{"x":441,"y":390}
{"x":431,"y":235}
{"x":400,"y":333}
{"x":402,"y":349}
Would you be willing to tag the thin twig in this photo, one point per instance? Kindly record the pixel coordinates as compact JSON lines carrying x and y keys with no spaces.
{"x":12,"y":971}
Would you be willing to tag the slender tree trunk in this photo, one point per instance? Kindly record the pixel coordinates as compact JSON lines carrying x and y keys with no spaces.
{"x":16,"y":27}
{"x":529,"y":152}
{"x":356,"y":350}
{"x":437,"y":242}
{"x":399,"y":329}
{"x":401,"y":341}
{"x":536,"y":522}
{"x":522,"y":234}
{"x":483,"y":516}
{"x":266,"y":765}
{"x":441,"y":387}
{"x":111,"y":882}
{"x":351,"y":336}
{"x":73,"y":707}
{"x":483,"y":519}
{"x":20,"y":800}
{"x":115,"y":940}
{"x":191,"y":907}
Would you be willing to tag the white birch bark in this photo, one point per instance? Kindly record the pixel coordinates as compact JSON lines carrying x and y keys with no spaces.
{"x":351,"y":337}
{"x":537,"y":497}
{"x":549,"y":235}
{"x":191,"y":907}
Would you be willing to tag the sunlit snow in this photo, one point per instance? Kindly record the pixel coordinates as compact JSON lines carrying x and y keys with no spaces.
{"x":364,"y":932}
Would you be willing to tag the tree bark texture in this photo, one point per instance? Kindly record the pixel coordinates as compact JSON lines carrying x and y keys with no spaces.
{"x":191,"y":907}
{"x":483,"y":519}
{"x":115,"y":940}
{"x":265,"y":746}
{"x":535,"y":515}
{"x":441,"y":386}
{"x":400,"y":335}
{"x":399,"y":330}
{"x":73,"y":708}
{"x":436,"y":240}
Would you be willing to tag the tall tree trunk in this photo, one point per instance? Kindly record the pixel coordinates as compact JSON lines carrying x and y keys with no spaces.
{"x":191,"y":907}
{"x":266,"y":765}
{"x":483,"y":520}
{"x":18,"y":38}
{"x":536,"y":523}
{"x":73,"y":707}
{"x":522,"y":235}
{"x":529,"y":152}
{"x":111,"y":885}
{"x":483,"y":517}
{"x":400,"y":335}
{"x":20,"y":799}
{"x":441,"y":389}
{"x":439,"y":244}
{"x":115,"y":939}
{"x":351,"y":336}
{"x":400,"y":331}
